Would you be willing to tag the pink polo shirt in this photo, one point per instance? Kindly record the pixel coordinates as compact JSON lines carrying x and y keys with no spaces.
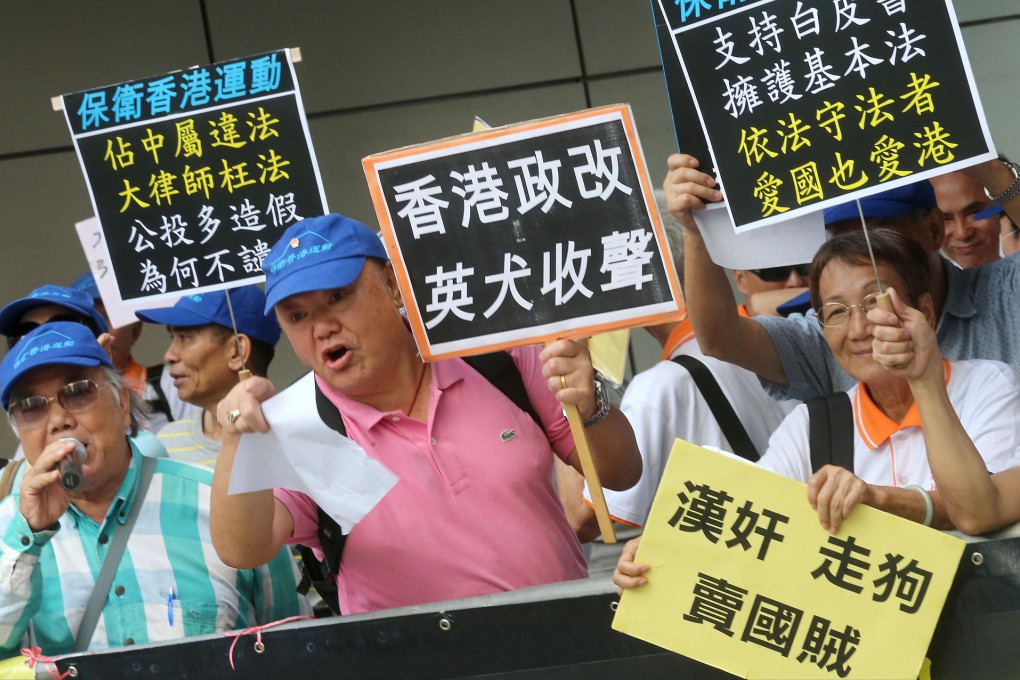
{"x":475,"y":510}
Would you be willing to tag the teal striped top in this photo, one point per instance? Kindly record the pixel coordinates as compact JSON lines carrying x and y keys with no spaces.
{"x":170,"y":583}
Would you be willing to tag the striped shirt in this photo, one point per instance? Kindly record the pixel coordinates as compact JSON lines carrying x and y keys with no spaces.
{"x":170,"y":584}
{"x":184,"y":440}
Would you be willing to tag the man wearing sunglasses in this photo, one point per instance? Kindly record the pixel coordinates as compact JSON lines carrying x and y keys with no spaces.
{"x":58,"y":384}
{"x":52,"y":303}
{"x":765,"y":289}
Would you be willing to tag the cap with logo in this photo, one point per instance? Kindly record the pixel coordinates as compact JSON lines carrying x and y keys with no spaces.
{"x":211,"y":308}
{"x":318,"y":253}
{"x":73,"y":299}
{"x":57,"y":343}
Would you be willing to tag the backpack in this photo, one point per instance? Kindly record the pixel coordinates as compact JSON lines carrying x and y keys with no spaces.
{"x":740,"y":442}
{"x":497,"y":367}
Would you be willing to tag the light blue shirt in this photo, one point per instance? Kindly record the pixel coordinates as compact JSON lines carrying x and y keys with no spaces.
{"x":170,"y":584}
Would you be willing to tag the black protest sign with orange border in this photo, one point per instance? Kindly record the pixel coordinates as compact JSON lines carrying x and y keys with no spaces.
{"x":525,"y":233}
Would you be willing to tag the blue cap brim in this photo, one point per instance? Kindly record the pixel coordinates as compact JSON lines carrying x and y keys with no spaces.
{"x":15,"y":310}
{"x":173,"y":316}
{"x":322,"y":276}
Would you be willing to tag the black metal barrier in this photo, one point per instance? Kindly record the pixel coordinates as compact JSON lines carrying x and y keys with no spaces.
{"x":560,"y":631}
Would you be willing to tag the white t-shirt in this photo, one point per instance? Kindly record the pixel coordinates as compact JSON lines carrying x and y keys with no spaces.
{"x":663,"y":404}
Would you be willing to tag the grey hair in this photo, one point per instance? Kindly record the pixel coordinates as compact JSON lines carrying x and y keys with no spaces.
{"x":140,"y":410}
{"x":674,"y":234}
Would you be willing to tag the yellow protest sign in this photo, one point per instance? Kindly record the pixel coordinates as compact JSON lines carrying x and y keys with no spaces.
{"x":745,"y":579}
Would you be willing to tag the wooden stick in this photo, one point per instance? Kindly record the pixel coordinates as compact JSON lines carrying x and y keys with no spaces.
{"x":591,"y":475}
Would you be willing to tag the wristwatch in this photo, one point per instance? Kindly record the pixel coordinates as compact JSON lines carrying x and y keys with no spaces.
{"x":1012,"y":191}
{"x":602,"y":403}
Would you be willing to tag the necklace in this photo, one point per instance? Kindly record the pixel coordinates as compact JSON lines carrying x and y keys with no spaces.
{"x":417,"y":389}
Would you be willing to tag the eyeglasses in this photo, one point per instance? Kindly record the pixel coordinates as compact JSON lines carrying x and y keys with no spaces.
{"x":26,"y":327}
{"x":74,"y":397}
{"x":777,"y":274}
{"x":835,"y":314}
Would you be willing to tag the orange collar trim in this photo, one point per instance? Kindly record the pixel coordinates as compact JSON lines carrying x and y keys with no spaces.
{"x":874,"y":426}
{"x":684,"y":332}
{"x":135,"y":375}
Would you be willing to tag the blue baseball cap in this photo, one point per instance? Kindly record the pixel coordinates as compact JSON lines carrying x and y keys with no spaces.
{"x":87,"y":283}
{"x":73,"y":299}
{"x":318,"y":253}
{"x":60,"y":342}
{"x":207,"y":308}
{"x":891,"y":203}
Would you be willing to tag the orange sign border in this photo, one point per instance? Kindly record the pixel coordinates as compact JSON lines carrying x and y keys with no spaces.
{"x":370,"y":164}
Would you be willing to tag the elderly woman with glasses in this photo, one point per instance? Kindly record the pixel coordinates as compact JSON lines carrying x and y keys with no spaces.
{"x":891,"y":442}
{"x":901,"y":451}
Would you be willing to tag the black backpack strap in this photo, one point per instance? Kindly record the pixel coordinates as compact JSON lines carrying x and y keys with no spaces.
{"x":830,"y":432}
{"x":160,"y":404}
{"x":720,"y":406}
{"x":500,"y":370}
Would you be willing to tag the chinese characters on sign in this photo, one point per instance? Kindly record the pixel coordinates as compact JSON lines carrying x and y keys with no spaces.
{"x":745,"y":579}
{"x":194,"y":174}
{"x":806,"y":102}
{"x":514,"y":235}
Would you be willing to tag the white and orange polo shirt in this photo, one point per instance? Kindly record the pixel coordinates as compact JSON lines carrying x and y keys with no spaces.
{"x":984,"y":394}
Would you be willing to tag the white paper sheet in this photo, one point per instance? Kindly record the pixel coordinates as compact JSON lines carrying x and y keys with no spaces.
{"x":302,"y":454}
{"x":792,"y":242}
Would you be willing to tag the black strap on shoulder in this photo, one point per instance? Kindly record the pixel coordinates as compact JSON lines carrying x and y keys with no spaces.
{"x":720,"y":406}
{"x":500,"y":370}
{"x":160,"y":404}
{"x":830,"y":433}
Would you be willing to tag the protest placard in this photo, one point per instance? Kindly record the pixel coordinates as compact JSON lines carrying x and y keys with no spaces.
{"x":744,"y":578}
{"x":809,"y":104}
{"x":194,"y":174}
{"x":525,"y":233}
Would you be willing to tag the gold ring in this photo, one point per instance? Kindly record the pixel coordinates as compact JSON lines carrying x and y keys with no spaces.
{"x":563,"y":381}
{"x":233,"y":415}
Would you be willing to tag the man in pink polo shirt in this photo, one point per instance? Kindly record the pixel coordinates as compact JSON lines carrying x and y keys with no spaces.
{"x":474,"y":511}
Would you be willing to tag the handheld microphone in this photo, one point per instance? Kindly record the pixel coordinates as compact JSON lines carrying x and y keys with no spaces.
{"x":71,"y":475}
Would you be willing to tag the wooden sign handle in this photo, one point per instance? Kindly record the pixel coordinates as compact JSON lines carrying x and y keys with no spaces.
{"x":243,"y":374}
{"x":884,"y":302}
{"x":591,"y":475}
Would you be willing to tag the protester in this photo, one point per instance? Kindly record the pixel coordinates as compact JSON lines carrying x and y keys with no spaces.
{"x":205,"y":357}
{"x":972,"y":230}
{"x":169,"y":583}
{"x":975,"y":307}
{"x":51,"y":303}
{"x":150,"y":382}
{"x":474,"y":511}
{"x":892,"y":445}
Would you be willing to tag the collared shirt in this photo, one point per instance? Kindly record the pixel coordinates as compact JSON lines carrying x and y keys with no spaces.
{"x":663,"y":403}
{"x":169,"y":585}
{"x":474,"y":511}
{"x":983,"y":393}
{"x":979,"y":321}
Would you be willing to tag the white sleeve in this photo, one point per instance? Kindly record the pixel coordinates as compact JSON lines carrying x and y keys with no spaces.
{"x":789,"y":452}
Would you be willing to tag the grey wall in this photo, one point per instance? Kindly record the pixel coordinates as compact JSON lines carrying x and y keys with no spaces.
{"x":376,"y":75}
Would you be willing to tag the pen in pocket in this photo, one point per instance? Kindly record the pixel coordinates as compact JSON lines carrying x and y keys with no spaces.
{"x":170,"y":607}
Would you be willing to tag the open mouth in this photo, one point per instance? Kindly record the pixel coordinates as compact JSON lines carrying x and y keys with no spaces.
{"x":335,"y":354}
